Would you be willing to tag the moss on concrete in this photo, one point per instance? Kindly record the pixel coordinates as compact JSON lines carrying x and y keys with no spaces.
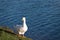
{"x":7,"y":34}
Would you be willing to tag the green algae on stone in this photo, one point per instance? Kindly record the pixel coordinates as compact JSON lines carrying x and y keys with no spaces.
{"x":7,"y":34}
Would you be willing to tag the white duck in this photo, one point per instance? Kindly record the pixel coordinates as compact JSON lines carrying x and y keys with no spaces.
{"x":24,"y":27}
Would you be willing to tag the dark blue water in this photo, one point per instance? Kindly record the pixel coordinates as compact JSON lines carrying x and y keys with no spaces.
{"x":43,"y":17}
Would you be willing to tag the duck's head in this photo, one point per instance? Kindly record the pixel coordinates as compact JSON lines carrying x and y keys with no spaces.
{"x":24,"y":18}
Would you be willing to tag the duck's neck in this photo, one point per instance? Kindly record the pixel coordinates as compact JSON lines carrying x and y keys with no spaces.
{"x":24,"y":23}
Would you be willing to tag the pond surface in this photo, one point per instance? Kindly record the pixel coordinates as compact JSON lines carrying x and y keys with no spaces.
{"x":43,"y":17}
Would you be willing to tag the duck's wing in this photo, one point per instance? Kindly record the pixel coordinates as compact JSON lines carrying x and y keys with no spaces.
{"x":17,"y":27}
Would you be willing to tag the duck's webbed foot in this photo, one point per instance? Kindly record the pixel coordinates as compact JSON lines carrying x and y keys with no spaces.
{"x":22,"y":35}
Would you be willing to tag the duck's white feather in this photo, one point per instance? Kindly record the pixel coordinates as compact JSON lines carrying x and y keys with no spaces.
{"x":24,"y":27}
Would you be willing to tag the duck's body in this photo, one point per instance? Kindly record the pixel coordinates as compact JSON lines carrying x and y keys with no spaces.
{"x":24,"y":27}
